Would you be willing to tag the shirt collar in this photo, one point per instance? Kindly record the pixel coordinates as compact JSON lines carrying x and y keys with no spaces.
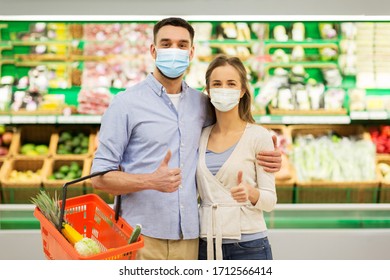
{"x":158,"y":88}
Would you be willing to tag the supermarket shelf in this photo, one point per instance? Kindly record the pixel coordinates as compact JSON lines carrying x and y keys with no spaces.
{"x":308,"y":42}
{"x":267,"y":119}
{"x":284,"y":216}
{"x":302,"y":119}
{"x":373,"y":115}
{"x":50,"y":119}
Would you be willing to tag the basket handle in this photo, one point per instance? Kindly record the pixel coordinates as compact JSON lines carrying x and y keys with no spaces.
{"x":65,"y":187}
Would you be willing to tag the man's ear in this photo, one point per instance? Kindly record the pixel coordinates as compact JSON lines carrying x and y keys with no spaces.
{"x":192,"y":52}
{"x":153,"y":51}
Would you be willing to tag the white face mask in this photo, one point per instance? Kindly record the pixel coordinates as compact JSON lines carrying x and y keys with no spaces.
{"x":224,"y":99}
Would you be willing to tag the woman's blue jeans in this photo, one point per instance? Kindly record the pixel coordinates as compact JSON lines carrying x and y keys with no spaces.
{"x":258,"y":249}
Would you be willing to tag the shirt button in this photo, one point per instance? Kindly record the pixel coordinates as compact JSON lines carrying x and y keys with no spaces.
{"x":182,"y":144}
{"x":181,"y":165}
{"x":180,"y":186}
{"x":181,"y":206}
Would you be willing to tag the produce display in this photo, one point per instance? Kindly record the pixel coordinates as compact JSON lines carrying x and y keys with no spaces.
{"x":385,"y":171}
{"x":334,"y":158}
{"x":295,"y":90}
{"x":95,"y":60}
{"x":73,"y":143}
{"x":294,"y":68}
{"x":24,"y":176}
{"x":5,"y":140}
{"x":381,"y":138}
{"x":31,"y":149}
{"x":67,"y":172}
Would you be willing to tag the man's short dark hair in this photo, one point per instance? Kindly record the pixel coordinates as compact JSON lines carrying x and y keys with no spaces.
{"x":174,"y":21}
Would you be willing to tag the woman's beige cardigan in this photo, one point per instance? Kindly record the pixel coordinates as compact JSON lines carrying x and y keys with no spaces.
{"x":220,"y":215}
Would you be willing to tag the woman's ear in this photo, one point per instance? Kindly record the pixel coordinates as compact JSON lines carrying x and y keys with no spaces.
{"x":207,"y":90}
{"x":242,"y":93}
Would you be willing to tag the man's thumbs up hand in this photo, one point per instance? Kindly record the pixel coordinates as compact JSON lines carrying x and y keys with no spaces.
{"x":166,"y":179}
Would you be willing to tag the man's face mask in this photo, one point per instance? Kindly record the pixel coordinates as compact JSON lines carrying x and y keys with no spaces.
{"x":172,"y":62}
{"x":224,"y":99}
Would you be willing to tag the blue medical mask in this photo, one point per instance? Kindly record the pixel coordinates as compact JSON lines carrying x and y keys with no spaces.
{"x":172,"y":62}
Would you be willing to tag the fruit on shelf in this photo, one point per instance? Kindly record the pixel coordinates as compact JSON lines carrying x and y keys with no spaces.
{"x":31,"y":149}
{"x":24,"y":176}
{"x":73,"y":143}
{"x":385,"y":171}
{"x":5,"y":140}
{"x":67,"y":172}
{"x":381,"y":137}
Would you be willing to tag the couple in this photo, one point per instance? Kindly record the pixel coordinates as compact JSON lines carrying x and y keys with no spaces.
{"x":154,"y":133}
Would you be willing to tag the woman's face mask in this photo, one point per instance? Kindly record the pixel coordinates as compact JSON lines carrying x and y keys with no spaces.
{"x":172,"y":62}
{"x":224,"y":99}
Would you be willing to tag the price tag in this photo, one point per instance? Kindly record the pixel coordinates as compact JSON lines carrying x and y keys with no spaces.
{"x":23,"y":119}
{"x":5,"y":119}
{"x":359,"y":115}
{"x":67,"y":119}
{"x":91,"y":119}
{"x":265,"y":119}
{"x":316,"y":120}
{"x":47,"y":119}
{"x":378,"y":115}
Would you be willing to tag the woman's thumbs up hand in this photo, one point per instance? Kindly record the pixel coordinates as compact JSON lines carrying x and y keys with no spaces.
{"x":240,"y":193}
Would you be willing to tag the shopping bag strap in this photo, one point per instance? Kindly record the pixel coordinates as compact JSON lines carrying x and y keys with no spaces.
{"x":64,"y":194}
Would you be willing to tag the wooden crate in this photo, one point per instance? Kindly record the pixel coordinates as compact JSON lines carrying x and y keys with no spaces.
{"x":20,"y":192}
{"x":285,"y":190}
{"x":1,"y":189}
{"x":384,"y":190}
{"x":297,"y":112}
{"x":330,"y":191}
{"x":52,"y":186}
{"x":337,"y":192}
{"x":322,"y":129}
{"x":35,"y":134}
{"x":12,"y":146}
{"x":74,"y":129}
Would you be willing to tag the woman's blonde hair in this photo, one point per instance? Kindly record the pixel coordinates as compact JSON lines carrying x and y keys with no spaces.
{"x":244,"y":107}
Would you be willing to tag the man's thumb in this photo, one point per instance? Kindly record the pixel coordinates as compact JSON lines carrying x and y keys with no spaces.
{"x":239,"y":177}
{"x":275,"y":140}
{"x":166,"y":159}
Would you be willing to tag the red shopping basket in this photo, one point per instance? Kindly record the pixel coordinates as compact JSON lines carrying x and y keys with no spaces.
{"x":92,"y":217}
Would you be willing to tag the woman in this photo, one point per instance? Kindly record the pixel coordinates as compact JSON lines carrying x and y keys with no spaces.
{"x":234,"y":189}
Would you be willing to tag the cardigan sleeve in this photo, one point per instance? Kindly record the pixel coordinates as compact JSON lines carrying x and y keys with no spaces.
{"x":265,"y":180}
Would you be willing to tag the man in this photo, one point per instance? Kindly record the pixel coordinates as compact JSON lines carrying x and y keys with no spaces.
{"x":151,"y":132}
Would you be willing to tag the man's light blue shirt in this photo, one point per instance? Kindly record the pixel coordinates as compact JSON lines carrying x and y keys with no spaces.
{"x":136,"y":131}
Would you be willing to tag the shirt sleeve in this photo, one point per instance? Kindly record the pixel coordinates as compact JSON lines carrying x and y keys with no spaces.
{"x":265,"y":180}
{"x":114,"y":134}
{"x":209,"y":112}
